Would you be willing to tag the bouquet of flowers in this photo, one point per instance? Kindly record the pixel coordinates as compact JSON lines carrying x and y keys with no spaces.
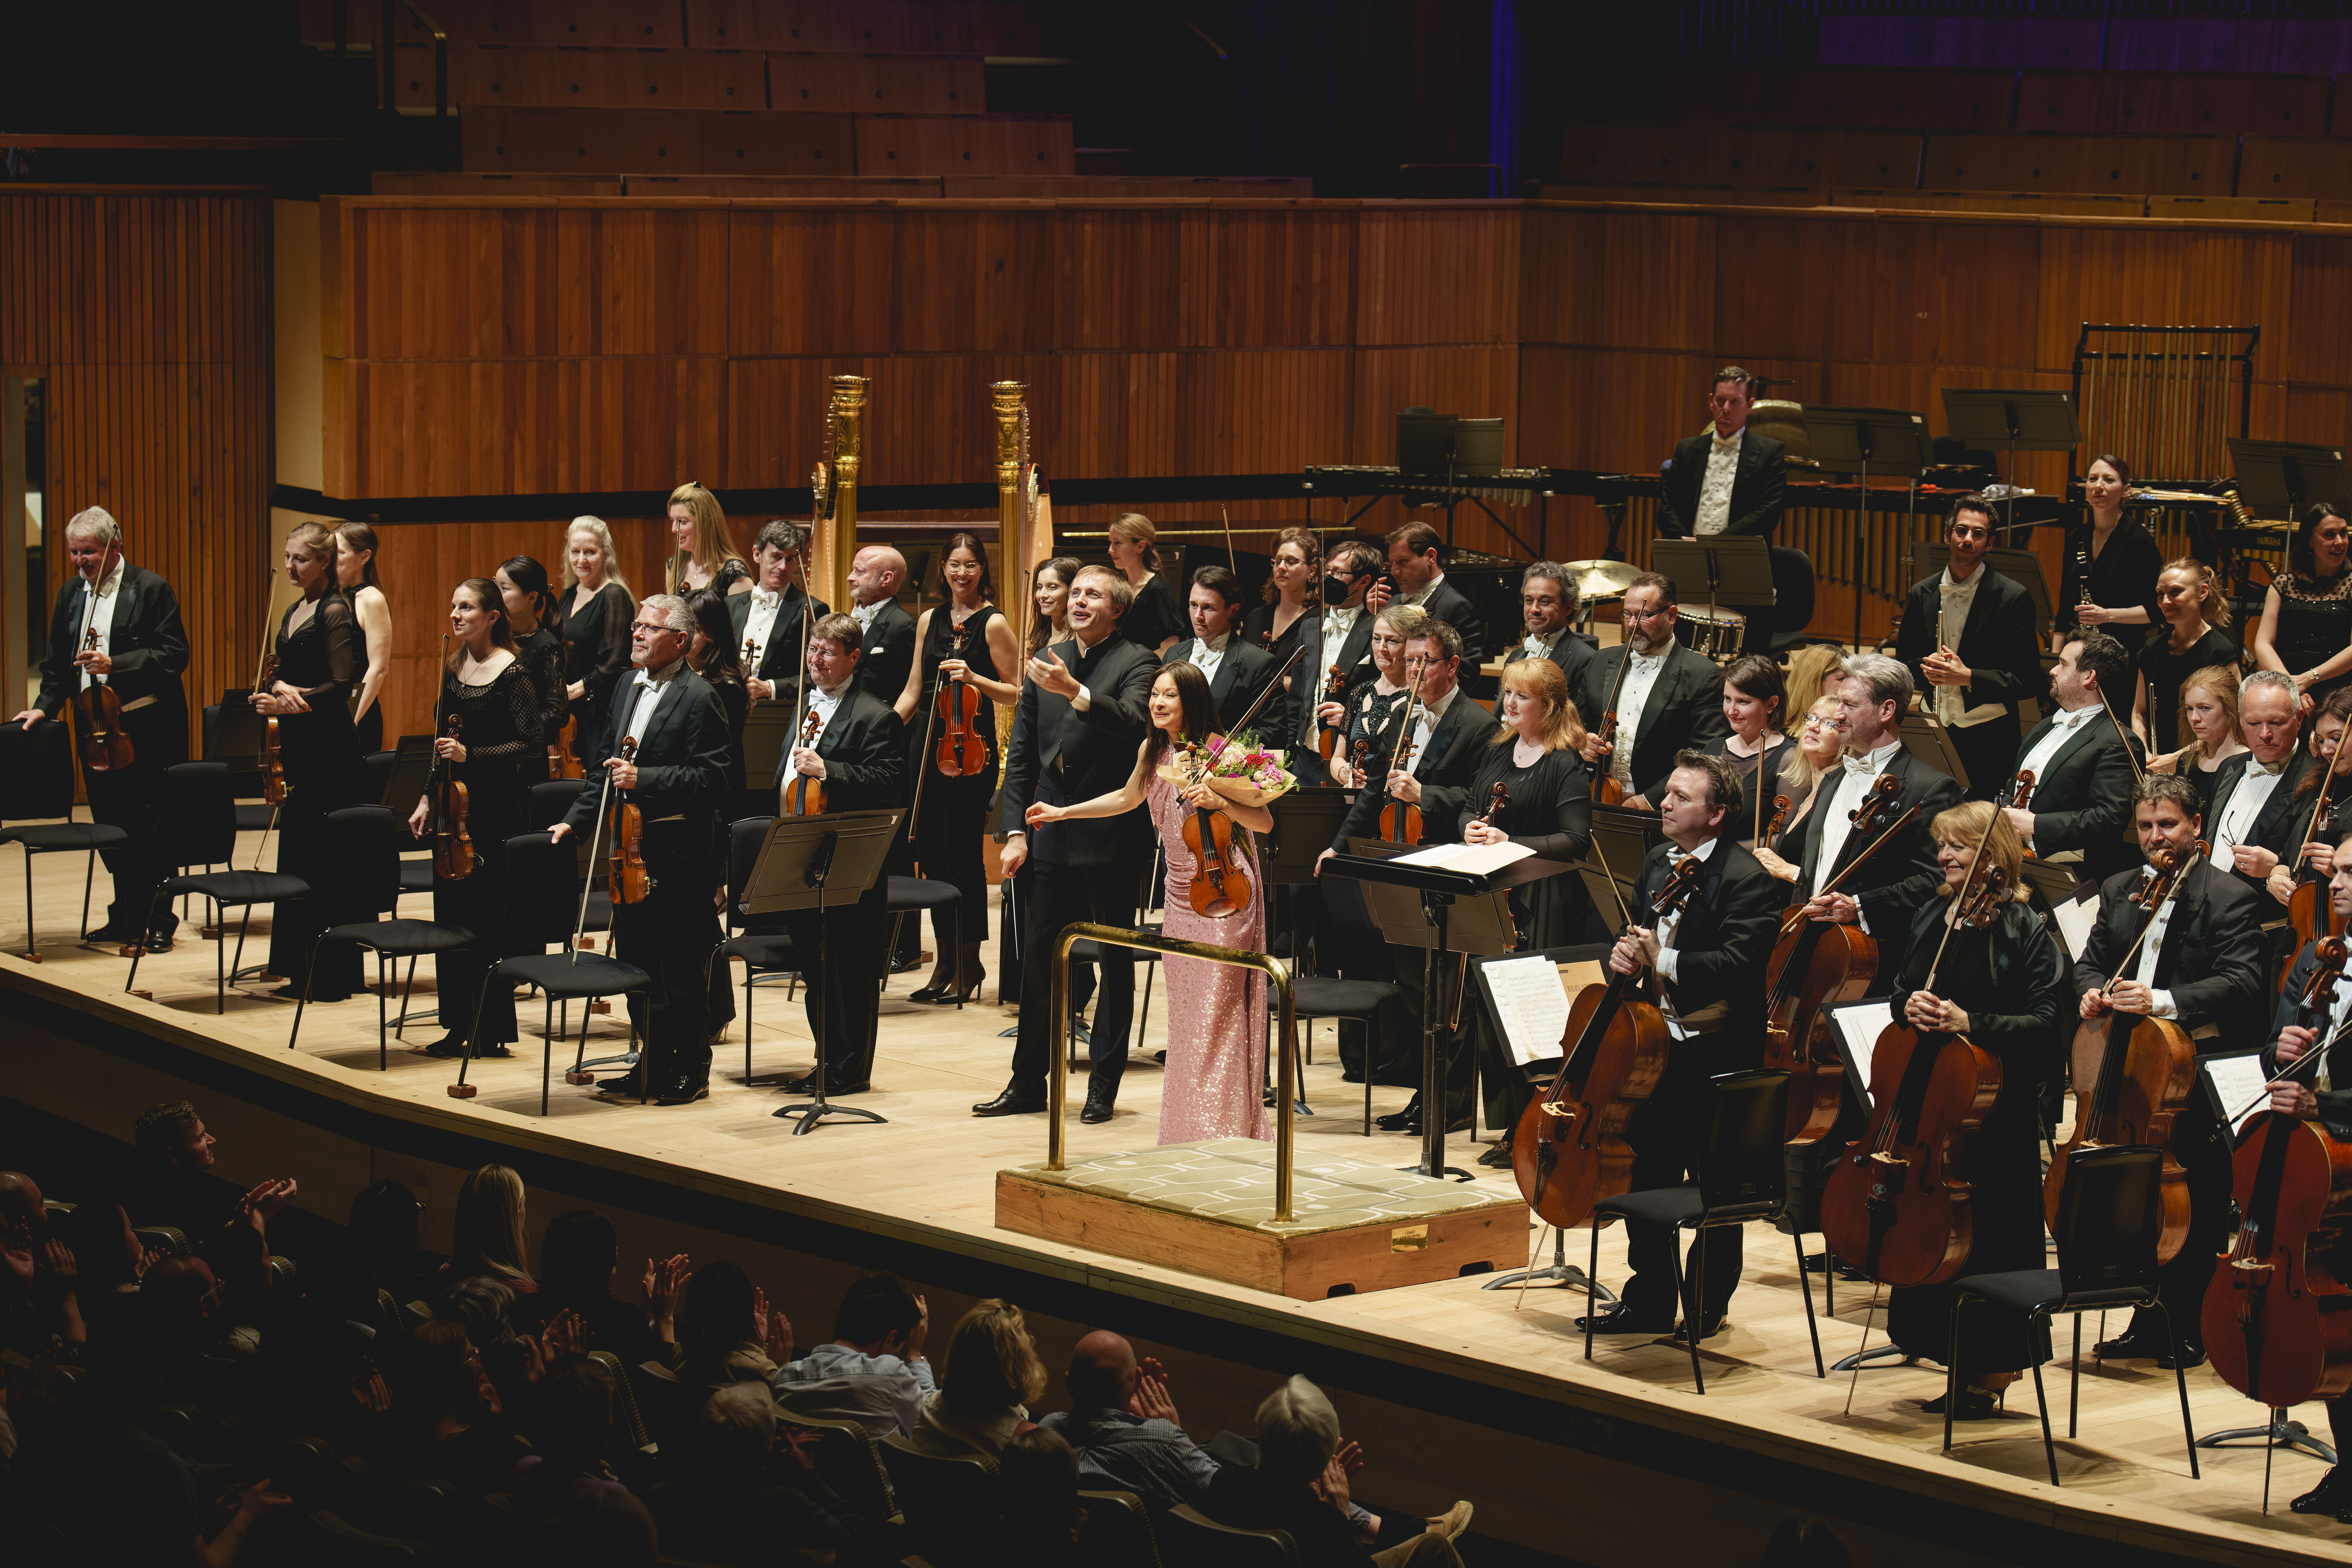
{"x":1238,"y":768}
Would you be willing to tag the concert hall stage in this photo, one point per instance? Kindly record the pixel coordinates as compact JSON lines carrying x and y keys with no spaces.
{"x":1453,"y":1390}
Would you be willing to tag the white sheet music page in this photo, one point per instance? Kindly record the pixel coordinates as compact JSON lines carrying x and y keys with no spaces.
{"x":1476,"y":860}
{"x":1861,"y":1025}
{"x":2075,"y":917}
{"x":1530,"y":1004}
{"x":2239,"y":1080}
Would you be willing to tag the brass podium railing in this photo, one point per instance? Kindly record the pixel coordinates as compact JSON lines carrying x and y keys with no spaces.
{"x":1278,"y":975}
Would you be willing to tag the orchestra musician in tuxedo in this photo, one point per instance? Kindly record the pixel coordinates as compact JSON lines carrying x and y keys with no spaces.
{"x":2252,"y":820}
{"x":1872,"y":691}
{"x":860,"y":754}
{"x":1548,"y":601}
{"x":2200,"y":966}
{"x":2083,"y":775}
{"x":1417,"y":577}
{"x":1083,"y":709}
{"x":1670,"y":699}
{"x":141,"y":652}
{"x":887,"y":640}
{"x":1709,"y":960}
{"x":1728,"y":480}
{"x":1968,"y":637}
{"x":1237,"y":668}
{"x":1341,"y":638}
{"x":676,"y":781}
{"x":770,"y":615}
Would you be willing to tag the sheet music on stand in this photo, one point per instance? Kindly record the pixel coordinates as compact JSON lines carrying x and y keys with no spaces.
{"x":2234,"y":1081}
{"x":1527,"y":996}
{"x":1856,"y":1027}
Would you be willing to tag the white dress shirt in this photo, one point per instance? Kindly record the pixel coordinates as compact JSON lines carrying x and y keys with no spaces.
{"x":2151,"y":951}
{"x":1428,"y":716}
{"x":863,"y":614}
{"x":1641,"y":672}
{"x":1337,"y":624}
{"x":1420,"y":596}
{"x":100,"y":616}
{"x":1206,"y":653}
{"x":649,"y":686}
{"x":2320,"y":1081}
{"x":761,"y":622}
{"x":1856,"y":775}
{"x":2246,"y":802}
{"x":1715,"y":489}
{"x":1536,"y":647}
{"x":1958,"y":597}
{"x":2062,"y":729}
{"x":1669,"y":925}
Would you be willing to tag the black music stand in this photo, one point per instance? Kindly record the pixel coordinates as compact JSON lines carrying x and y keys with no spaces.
{"x":1621,"y":842}
{"x":1857,"y":440}
{"x":412,"y":764}
{"x":768,"y":736}
{"x":2283,"y":478}
{"x":1925,"y":736}
{"x":1440,"y":912}
{"x":1305,"y":821}
{"x":811,"y":863}
{"x":1992,"y":419}
{"x":1736,"y":567}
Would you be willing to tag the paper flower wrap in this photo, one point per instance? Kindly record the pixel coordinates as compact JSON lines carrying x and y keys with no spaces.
{"x":1238,"y":769}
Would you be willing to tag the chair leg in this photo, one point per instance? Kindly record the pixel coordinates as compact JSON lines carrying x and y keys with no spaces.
{"x":959,"y":958}
{"x":1813,"y":1326}
{"x":244,"y":924}
{"x":2042,"y":1398}
{"x":382,"y":991}
{"x":407,"y":991}
{"x":89,"y":877}
{"x":1951,"y":1369}
{"x":304,"y":999}
{"x":1592,"y":1257}
{"x":2075,"y":1376}
{"x":546,"y":1050}
{"x":2180,"y":1378}
{"x":1687,"y":1286}
{"x":140,"y":951}
{"x":32,"y":947}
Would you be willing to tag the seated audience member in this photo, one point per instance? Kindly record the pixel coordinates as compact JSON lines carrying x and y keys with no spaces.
{"x":108,"y":1260}
{"x":726,"y":1331}
{"x":873,"y":1371}
{"x":578,"y":1257}
{"x":171,"y":1185}
{"x":37,"y":1305}
{"x":1300,"y":1485}
{"x":605,"y":1527}
{"x":383,"y":1225}
{"x":486,"y":1236}
{"x":454,"y":1420}
{"x":1037,"y":1477}
{"x":992,"y":1376}
{"x":751,"y":1495}
{"x":1124,"y":1427}
{"x":574,"y":1436}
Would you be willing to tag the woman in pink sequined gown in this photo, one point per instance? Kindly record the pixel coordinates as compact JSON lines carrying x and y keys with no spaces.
{"x":1214,"y":1086}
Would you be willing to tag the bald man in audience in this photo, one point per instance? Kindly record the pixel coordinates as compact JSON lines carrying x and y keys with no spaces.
{"x":1124,"y":1425}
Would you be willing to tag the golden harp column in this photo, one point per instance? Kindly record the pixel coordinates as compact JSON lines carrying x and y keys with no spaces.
{"x":1005,"y":400}
{"x":845,"y":446}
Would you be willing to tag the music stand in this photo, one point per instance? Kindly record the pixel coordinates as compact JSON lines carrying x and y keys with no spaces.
{"x":1440,"y":912}
{"x":2283,"y":478}
{"x":1856,"y":440}
{"x":237,"y":732}
{"x":1621,"y":842}
{"x":768,"y":736}
{"x":1305,"y":821}
{"x":815,"y":862}
{"x":1736,"y":567}
{"x":1997,"y":420}
{"x":412,"y":763}
{"x":1925,"y":736}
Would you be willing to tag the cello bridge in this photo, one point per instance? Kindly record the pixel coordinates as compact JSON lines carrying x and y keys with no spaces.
{"x":2251,"y":1265}
{"x":1548,"y":1109}
{"x":1889,"y":1161}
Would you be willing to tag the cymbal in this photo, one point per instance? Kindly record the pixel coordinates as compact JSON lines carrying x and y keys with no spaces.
{"x":1601,"y":579}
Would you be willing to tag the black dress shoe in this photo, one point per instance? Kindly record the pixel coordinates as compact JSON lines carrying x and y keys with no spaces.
{"x":631,"y":1084}
{"x":2331,"y":1496}
{"x":1405,"y":1120}
{"x":1497,"y":1158}
{"x":931,"y":994}
{"x":158,"y":942}
{"x":1619,"y":1318}
{"x":448,"y":1046}
{"x":1709,"y":1326}
{"x":1009,"y":1105}
{"x":1095,"y":1111}
{"x":683,"y":1090}
{"x":1976,"y":1405}
{"x":114,"y":931}
{"x":2133,"y":1347}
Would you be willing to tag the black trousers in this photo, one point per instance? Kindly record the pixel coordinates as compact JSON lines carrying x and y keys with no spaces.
{"x":1989,"y":751}
{"x":1665,"y":1133}
{"x":947,"y":843}
{"x":670,"y":935}
{"x":2180,"y":1284}
{"x":1060,"y":895}
{"x":842,"y":1003}
{"x":131,"y":799}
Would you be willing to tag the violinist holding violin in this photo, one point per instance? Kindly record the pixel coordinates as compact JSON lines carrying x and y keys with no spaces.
{"x":491,"y":714}
{"x":139,"y":650}
{"x":1709,"y":956}
{"x":1666,"y":697}
{"x":2000,"y":986}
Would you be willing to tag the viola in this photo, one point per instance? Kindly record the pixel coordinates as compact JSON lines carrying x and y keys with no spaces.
{"x":2019,"y":792}
{"x":1220,"y":887}
{"x":2130,"y":1084}
{"x":804,"y":796}
{"x":453,"y":846}
{"x":1605,"y":787}
{"x":625,"y":876}
{"x":1569,"y":1151}
{"x":2308,"y":909}
{"x":962,"y":753}
{"x":2277,"y":1316}
{"x":273,"y":765}
{"x":97,"y":721}
{"x":1334,"y":689}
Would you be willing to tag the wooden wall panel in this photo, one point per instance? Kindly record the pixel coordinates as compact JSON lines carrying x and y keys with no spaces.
{"x":810,"y":280}
{"x":1473,"y":381}
{"x":1137,"y":277}
{"x":1945,"y":293}
{"x":1761,"y":315}
{"x":1438,"y":274}
{"x":973,"y":279}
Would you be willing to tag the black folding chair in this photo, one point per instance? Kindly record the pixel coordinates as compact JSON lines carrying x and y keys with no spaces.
{"x":200,"y":828}
{"x":1350,"y":1001}
{"x":367,"y":846}
{"x":2110,"y":1216}
{"x":1743,"y":1175}
{"x":905,"y":897}
{"x":36,"y":775}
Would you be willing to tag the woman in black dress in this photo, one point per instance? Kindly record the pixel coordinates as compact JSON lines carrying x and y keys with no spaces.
{"x":1049,"y":623}
{"x":2002,"y":987}
{"x":1373,"y":711}
{"x":705,"y":554}
{"x":1755,"y":695}
{"x":2307,"y":625}
{"x":1155,"y":620}
{"x":2325,"y":741}
{"x":713,"y":654}
{"x":2208,"y":729}
{"x":2195,"y":613}
{"x":485,"y":686}
{"x":318,"y":668}
{"x":537,"y":630}
{"x":2108,"y":580}
{"x":356,"y":575}
{"x":1277,"y":625}
{"x":596,"y":610}
{"x":962,"y":637}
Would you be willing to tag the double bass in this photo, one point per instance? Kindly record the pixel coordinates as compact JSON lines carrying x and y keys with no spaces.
{"x":2131,"y":1085}
{"x":2277,"y":1314}
{"x":1894,"y":1205}
{"x":1569,"y":1151}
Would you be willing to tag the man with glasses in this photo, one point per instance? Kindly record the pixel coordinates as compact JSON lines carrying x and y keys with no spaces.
{"x":1726,"y":480}
{"x":1418,"y":578}
{"x":1667,"y":699}
{"x":1547,"y":604}
{"x":1968,"y":637}
{"x":1341,"y":638}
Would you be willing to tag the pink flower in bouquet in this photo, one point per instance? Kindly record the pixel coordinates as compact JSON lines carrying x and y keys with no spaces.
{"x":1215,"y":746}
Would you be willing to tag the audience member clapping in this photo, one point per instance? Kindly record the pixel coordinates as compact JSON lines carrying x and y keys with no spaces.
{"x":39,"y":1309}
{"x":992,"y":1377}
{"x":1122,"y":1422}
{"x":578,"y":1257}
{"x":726,"y":1331}
{"x":873,"y":1372}
{"x":487,"y":1233}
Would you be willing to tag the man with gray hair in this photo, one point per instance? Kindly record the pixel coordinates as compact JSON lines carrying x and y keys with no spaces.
{"x":1548,"y":604}
{"x":1872,"y":691}
{"x":1300,"y":1485}
{"x":2254,"y":821}
{"x":117,"y":625}
{"x":675,"y":781}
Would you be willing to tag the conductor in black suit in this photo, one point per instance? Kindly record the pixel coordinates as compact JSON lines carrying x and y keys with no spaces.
{"x":1420,"y":579}
{"x":1881,"y":893}
{"x":1729,"y":480}
{"x":1968,"y":637}
{"x":2203,"y":970}
{"x":1083,"y":711}
{"x":770,"y":615}
{"x":141,"y":653}
{"x":1548,"y":601}
{"x":676,"y":783}
{"x":860,"y":754}
{"x":1668,"y":700}
{"x":2083,"y":777}
{"x":1237,"y":669}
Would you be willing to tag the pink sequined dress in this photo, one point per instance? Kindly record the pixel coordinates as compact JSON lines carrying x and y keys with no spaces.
{"x":1216,"y":1014}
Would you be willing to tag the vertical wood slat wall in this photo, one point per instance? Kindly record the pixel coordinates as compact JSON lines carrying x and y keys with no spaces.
{"x":148,"y":314}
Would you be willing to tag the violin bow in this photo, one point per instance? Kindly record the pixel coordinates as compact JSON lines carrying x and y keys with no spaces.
{"x":2171,"y":879}
{"x":2121,"y":735}
{"x":1856,"y":863}
{"x":1272,"y":686}
{"x":1232,"y":562}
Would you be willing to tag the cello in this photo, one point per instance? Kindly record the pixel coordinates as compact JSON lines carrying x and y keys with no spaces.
{"x":2130,"y":1086}
{"x":1892,"y":1205}
{"x":1569,"y":1150}
{"x":2277,"y":1318}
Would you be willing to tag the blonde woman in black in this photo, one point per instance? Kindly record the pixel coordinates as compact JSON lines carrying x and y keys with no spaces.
{"x":319,"y":666}
{"x":596,"y":610}
{"x":704,"y":555}
{"x":484,"y":685}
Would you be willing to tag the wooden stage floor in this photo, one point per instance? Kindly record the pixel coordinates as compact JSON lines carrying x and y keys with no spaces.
{"x":1507,"y":1361}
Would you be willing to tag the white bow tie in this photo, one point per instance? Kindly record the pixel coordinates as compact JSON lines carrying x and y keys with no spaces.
{"x":763,"y":600}
{"x":1861,"y":767}
{"x":2270,"y":769}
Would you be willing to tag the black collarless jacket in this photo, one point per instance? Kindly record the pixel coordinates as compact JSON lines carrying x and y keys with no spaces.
{"x":1241,"y":678}
{"x":889,"y":654}
{"x":864,"y":750}
{"x":2082,"y":797}
{"x":1455,"y":748}
{"x":1997,"y":643}
{"x":1756,"y":486}
{"x":1061,"y":755}
{"x":1900,"y":878}
{"x":1684,"y":710}
{"x":2212,"y":960}
{"x":1729,"y":927}
{"x":150,"y":650}
{"x":682,"y":755}
{"x":2278,"y":826}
